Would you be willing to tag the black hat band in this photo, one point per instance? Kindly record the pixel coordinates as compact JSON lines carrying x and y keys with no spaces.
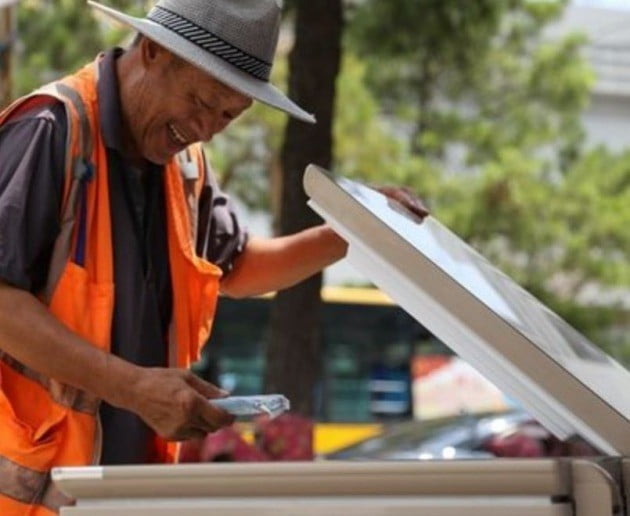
{"x":211,"y":43}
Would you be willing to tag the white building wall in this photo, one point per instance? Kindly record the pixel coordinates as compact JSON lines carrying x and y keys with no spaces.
{"x":606,"y":24}
{"x":607,"y":122}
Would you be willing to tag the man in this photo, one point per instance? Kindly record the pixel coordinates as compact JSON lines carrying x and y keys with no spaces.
{"x":115,"y":241}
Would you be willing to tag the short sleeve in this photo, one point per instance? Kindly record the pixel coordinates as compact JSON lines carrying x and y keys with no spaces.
{"x":32,"y":156}
{"x":221,"y":238}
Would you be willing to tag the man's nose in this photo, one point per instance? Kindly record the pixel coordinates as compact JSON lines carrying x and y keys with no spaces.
{"x":207,"y":126}
{"x":206,"y":131}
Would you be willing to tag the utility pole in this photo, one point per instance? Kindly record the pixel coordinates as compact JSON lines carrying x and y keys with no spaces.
{"x":7,"y":33}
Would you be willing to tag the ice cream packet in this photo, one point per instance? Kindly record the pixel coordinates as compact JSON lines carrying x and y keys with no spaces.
{"x":270,"y":404}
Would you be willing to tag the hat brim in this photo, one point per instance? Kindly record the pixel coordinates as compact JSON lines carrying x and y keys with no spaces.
{"x":215,"y":66}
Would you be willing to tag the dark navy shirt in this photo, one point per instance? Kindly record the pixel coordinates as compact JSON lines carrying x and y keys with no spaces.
{"x":32,"y":155}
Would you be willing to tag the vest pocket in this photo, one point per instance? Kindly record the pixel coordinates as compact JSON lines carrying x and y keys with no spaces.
{"x":31,"y":428}
{"x":34,"y":424}
{"x":195,"y":294}
{"x":84,"y":306}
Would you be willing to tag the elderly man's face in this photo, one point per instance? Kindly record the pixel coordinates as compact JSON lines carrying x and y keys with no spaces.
{"x":176,"y":105}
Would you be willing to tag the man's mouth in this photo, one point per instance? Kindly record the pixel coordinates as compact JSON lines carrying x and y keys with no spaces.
{"x":176,"y":134}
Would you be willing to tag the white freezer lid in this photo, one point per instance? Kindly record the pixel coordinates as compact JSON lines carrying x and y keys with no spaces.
{"x":531,"y":354}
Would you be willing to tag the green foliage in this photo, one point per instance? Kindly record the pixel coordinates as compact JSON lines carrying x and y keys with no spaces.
{"x":476,"y":75}
{"x":537,"y":228}
{"x":596,"y":206}
{"x":58,"y":36}
{"x":489,"y":111}
{"x":566,"y":241}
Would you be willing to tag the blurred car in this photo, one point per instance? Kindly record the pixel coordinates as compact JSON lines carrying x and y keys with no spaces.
{"x":509,"y":434}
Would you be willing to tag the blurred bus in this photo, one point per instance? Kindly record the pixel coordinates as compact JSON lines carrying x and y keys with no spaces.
{"x":368,"y":346}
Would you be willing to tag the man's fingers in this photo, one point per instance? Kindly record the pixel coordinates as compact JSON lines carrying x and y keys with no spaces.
{"x":175,"y":404}
{"x":406,"y":198}
{"x":211,"y":418}
{"x":413,"y":203}
{"x":206,"y":389}
{"x":208,"y":417}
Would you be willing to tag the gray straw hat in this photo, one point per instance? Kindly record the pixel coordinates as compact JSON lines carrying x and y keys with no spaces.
{"x":232,"y":40}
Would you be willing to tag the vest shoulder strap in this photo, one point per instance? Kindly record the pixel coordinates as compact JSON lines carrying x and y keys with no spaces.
{"x":72,"y":99}
{"x":79,"y":170}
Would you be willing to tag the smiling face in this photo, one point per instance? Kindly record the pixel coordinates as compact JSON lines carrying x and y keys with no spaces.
{"x":168,"y":104}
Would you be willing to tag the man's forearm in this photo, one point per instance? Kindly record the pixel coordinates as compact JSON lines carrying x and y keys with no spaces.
{"x":34,"y":337}
{"x":171,"y":401}
{"x":276,"y":263}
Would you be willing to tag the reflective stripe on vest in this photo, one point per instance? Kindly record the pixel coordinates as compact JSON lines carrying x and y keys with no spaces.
{"x":43,"y":423}
{"x":62,"y":394}
{"x":28,"y":486}
{"x":79,"y":169}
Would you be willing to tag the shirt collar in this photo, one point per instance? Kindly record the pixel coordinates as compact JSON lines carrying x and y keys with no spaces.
{"x":109,"y":100}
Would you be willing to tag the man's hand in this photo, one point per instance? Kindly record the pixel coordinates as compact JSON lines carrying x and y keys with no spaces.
{"x":174,"y":402}
{"x":405,"y":197}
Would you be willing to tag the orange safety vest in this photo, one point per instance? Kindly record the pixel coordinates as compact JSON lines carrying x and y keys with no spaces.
{"x":43,"y":423}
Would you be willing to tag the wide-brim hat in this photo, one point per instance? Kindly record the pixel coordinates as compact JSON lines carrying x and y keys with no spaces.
{"x":234,"y":41}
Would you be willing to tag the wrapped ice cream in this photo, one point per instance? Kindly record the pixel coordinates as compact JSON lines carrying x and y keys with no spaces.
{"x":271,"y":404}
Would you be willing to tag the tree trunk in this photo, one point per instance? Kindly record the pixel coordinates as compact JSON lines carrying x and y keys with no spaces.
{"x":294,"y":354}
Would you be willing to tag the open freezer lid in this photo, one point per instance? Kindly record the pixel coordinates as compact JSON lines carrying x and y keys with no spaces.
{"x":530,"y":353}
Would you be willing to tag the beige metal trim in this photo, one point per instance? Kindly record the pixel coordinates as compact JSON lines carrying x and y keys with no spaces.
{"x":463,"y":478}
{"x":594,"y":491}
{"x":333,"y":507}
{"x":489,"y":487}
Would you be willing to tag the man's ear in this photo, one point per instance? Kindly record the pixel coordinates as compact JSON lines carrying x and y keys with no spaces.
{"x":153,"y":54}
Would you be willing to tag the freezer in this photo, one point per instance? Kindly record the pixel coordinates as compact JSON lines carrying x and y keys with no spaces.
{"x":562,"y":379}
{"x":525,"y":349}
{"x":480,"y":487}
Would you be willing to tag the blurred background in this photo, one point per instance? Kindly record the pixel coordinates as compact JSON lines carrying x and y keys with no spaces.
{"x":510,"y":118}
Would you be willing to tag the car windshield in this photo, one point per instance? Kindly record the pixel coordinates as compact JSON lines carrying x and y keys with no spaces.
{"x":411,"y":435}
{"x":507,"y":434}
